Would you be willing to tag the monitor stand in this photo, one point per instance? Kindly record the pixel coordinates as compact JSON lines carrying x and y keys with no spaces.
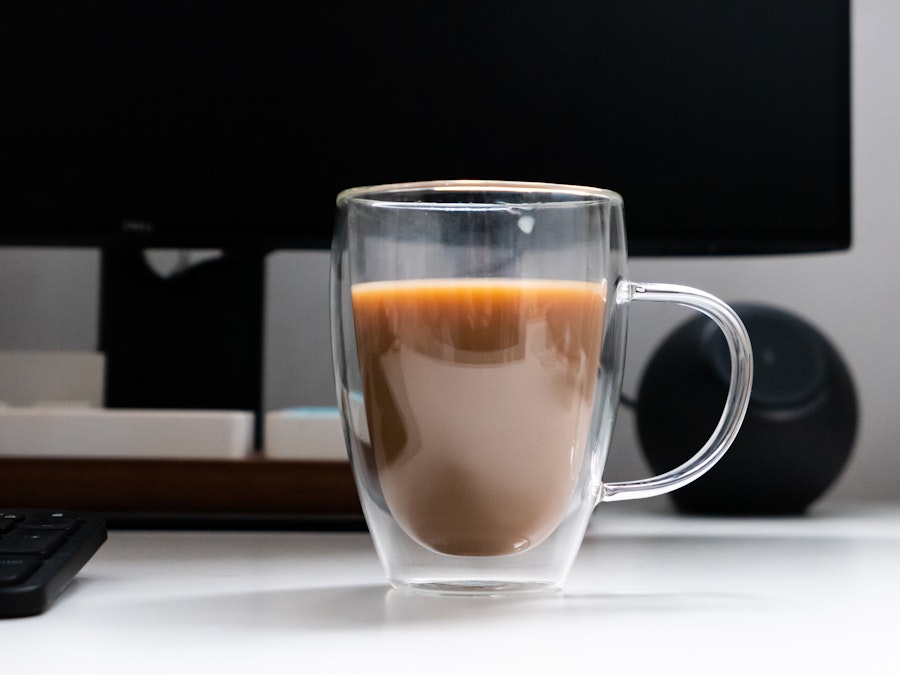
{"x":192,"y":340}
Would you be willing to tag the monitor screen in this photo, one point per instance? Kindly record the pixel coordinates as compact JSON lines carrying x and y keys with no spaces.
{"x":725,"y":125}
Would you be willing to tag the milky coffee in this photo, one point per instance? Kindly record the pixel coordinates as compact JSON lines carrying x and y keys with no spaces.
{"x":478,"y":396}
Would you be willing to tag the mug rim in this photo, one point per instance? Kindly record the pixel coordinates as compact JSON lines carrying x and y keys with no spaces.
{"x":367,"y":193}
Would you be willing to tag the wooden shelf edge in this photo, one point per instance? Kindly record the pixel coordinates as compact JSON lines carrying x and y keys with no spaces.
{"x":127,"y":485}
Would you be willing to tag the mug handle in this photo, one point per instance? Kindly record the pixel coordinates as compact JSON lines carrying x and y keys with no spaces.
{"x":735,"y":404}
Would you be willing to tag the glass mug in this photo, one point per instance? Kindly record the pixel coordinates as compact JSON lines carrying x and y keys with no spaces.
{"x":479,"y":339}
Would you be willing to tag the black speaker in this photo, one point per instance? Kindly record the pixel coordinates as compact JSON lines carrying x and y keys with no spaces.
{"x":800,"y":425}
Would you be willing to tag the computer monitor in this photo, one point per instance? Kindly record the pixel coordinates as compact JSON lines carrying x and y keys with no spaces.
{"x":126,"y":126}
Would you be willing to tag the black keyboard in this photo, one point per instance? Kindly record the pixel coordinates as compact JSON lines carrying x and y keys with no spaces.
{"x":40,"y":553}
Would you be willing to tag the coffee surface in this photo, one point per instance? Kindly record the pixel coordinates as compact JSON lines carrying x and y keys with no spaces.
{"x":478,"y":397}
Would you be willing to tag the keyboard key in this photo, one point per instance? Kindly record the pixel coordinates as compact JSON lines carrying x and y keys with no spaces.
{"x":15,"y":569}
{"x":8,"y":520}
{"x":31,"y":541}
{"x":49,"y":523}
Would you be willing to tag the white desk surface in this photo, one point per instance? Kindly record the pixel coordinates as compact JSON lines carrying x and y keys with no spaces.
{"x":651,"y":591}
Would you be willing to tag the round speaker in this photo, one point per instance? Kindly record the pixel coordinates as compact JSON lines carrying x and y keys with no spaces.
{"x":800,"y":425}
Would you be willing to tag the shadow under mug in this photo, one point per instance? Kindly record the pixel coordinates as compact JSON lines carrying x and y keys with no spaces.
{"x":479,"y":335}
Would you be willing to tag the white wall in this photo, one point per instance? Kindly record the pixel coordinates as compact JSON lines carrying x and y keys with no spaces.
{"x":48,"y":299}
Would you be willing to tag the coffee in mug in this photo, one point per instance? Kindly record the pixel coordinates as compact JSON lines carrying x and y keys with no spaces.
{"x":479,"y":331}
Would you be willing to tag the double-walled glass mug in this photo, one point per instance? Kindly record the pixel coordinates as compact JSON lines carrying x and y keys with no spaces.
{"x":479,"y":340}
